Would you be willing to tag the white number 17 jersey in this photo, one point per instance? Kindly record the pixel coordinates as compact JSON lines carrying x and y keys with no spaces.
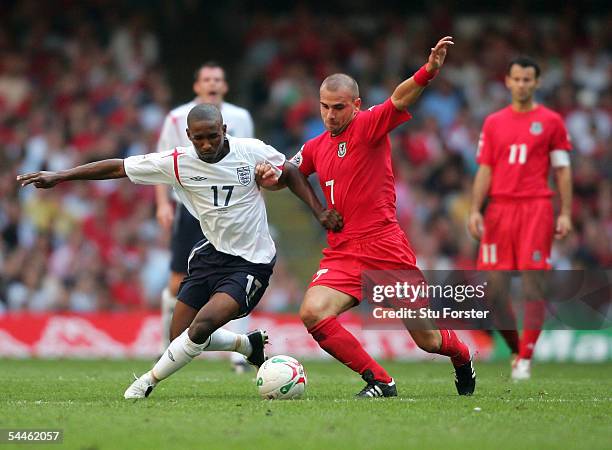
{"x":223,"y":196}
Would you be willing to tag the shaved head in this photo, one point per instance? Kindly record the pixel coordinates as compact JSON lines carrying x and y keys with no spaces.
{"x":341,"y":81}
{"x":204,"y":112}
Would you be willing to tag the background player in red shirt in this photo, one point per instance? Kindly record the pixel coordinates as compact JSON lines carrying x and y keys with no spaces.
{"x":517,"y":146}
{"x":353,"y":162}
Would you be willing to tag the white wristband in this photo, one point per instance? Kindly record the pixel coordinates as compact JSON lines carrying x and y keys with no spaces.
{"x":559,"y":158}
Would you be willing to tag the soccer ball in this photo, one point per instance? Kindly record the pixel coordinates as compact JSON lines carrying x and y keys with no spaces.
{"x":281,"y":377}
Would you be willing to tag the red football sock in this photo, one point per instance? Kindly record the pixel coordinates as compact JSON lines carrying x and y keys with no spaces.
{"x":452,"y":346}
{"x":535,"y":312}
{"x":342,"y":345}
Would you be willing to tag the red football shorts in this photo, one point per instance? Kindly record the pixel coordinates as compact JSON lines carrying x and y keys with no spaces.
{"x":342,"y":266}
{"x":518,"y":235}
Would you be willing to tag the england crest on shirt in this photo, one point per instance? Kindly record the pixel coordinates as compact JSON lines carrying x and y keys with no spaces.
{"x":341,"y":149}
{"x":244,"y":175}
{"x":536,"y":128}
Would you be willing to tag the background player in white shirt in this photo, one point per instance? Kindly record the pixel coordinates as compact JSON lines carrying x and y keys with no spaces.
{"x":228,"y":274}
{"x":209,"y":86}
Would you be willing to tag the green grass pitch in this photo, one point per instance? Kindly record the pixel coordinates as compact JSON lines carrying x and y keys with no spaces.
{"x":205,"y":406}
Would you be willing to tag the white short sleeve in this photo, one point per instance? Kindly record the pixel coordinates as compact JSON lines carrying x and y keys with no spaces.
{"x":266,"y":153}
{"x":152,"y":168}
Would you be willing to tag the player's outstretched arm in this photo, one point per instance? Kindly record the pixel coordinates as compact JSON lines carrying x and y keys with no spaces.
{"x":406,"y":93}
{"x":99,"y":170}
{"x":482,"y":181}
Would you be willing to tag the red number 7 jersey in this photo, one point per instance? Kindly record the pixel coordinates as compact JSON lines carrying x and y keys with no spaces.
{"x":517,"y":147}
{"x":355,"y":172}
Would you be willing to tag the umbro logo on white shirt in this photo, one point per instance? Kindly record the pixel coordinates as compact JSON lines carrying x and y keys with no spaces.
{"x":197,"y":178}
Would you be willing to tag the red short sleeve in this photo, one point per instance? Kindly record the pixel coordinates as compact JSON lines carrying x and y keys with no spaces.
{"x":560,"y":139}
{"x":381,"y":119}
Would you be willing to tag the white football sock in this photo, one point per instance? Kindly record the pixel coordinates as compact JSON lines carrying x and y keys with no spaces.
{"x":240,"y":326}
{"x":225,"y":340}
{"x":168,"y":302}
{"x":180,"y":352}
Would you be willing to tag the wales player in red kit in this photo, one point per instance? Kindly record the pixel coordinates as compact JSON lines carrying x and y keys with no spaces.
{"x":517,"y":147}
{"x":353,"y":162}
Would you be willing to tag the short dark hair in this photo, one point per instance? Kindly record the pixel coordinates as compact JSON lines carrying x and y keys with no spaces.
{"x":207,"y":65}
{"x":524,"y":61}
{"x":206,"y":112}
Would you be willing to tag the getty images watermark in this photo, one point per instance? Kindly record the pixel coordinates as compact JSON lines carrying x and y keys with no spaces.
{"x":485,"y":300}
{"x":413,"y":296}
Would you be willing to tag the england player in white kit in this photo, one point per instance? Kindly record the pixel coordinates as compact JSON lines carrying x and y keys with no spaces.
{"x":229,"y":271}
{"x":210,"y":87}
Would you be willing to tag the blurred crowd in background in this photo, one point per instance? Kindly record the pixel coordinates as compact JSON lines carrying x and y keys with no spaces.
{"x":78,"y":87}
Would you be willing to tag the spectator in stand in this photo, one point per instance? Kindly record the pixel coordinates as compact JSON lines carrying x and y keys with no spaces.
{"x":88,"y":85}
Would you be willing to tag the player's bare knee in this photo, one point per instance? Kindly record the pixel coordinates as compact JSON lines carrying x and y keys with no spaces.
{"x":309,"y":315}
{"x":313,"y":310}
{"x":534,"y":284}
{"x":200,"y":329}
{"x":532,"y":290}
{"x":321,"y":303}
{"x":429,"y":341}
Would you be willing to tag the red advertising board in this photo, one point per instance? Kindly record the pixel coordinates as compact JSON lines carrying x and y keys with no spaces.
{"x":138,"y":335}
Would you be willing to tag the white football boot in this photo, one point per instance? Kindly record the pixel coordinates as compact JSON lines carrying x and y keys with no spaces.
{"x":521,"y":369}
{"x":141,"y":387}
